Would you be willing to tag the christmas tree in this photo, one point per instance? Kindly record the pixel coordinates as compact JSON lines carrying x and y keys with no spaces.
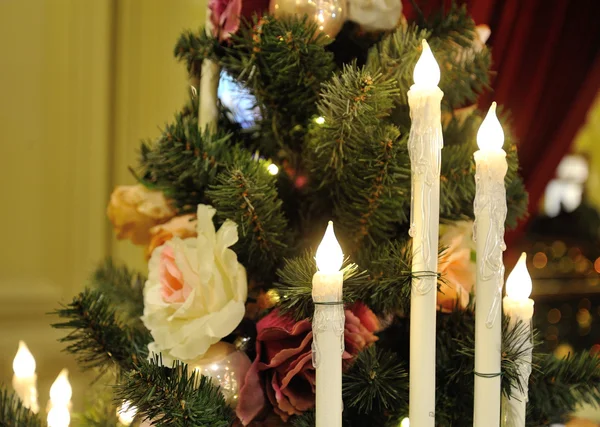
{"x":218,"y":331}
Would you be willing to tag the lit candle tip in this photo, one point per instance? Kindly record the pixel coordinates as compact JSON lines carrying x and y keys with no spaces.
{"x":24,"y":362}
{"x":518,"y":284}
{"x":427,"y":70}
{"x":490,"y":135}
{"x":329,"y":253}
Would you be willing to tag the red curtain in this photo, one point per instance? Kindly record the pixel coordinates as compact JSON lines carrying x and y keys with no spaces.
{"x":547,"y":73}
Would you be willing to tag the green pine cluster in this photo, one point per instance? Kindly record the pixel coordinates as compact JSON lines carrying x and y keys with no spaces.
{"x":338,"y":134}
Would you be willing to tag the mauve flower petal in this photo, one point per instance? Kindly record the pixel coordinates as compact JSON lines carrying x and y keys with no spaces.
{"x":283,"y":402}
{"x":286,"y":353}
{"x":295,"y":367}
{"x":281,"y":323}
{"x":251,"y":399}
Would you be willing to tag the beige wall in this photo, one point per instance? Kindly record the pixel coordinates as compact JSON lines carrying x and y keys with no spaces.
{"x":81,"y":83}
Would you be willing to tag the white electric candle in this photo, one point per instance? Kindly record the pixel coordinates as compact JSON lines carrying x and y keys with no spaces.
{"x":519,"y":308}
{"x":208,"y":111}
{"x":425,"y":144}
{"x":60,"y":401}
{"x":328,"y":331}
{"x":24,"y":378}
{"x":490,"y":214}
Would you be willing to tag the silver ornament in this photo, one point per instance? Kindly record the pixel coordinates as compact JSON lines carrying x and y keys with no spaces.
{"x":329,"y":15}
{"x":227,"y":367}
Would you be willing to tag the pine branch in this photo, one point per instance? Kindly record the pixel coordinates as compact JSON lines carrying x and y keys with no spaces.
{"x":352,"y":105}
{"x":559,"y":386}
{"x":375,"y":383}
{"x":246,"y":193}
{"x":174,"y":397}
{"x":283,"y":62}
{"x":98,"y":338}
{"x":192,"y":48}
{"x":396,"y":56}
{"x":464,"y":74}
{"x":13,"y":413}
{"x":184,"y":161}
{"x":307,"y":419}
{"x":372,"y":199}
{"x":295,"y":284}
{"x":123,"y":288}
{"x":387,"y":290}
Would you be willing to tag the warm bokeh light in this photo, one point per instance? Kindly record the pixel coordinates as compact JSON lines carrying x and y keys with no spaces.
{"x":427,"y":70}
{"x":329,"y":253}
{"x":61,"y":391}
{"x":273,"y":169}
{"x":563,"y":350}
{"x":59,"y":416}
{"x":126,"y":413}
{"x":24,"y":362}
{"x":518,"y":284}
{"x":320,"y":120}
{"x":554,"y":315}
{"x":490,"y":135}
{"x":540,"y":260}
{"x":405,"y":423}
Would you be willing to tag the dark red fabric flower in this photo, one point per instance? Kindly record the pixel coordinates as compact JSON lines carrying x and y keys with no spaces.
{"x":283,"y":365}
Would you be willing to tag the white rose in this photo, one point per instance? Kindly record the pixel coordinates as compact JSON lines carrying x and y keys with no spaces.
{"x":195,"y":292}
{"x":375,"y":14}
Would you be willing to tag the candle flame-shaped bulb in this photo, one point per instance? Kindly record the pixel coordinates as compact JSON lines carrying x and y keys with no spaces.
{"x":427,"y":70}
{"x":24,"y":363}
{"x":490,"y":135}
{"x":329,"y":253}
{"x":126,"y":413}
{"x":518,"y":284}
{"x":61,"y":391}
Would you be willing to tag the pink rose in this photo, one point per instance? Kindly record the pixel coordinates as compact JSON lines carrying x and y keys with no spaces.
{"x":284,"y":358}
{"x":225,"y":15}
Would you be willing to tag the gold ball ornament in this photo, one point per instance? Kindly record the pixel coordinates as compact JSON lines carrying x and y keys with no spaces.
{"x":329,"y":15}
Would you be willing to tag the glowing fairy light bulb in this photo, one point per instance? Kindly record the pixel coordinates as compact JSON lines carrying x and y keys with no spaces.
{"x":329,"y":253}
{"x":427,"y":70}
{"x":126,"y":413}
{"x":24,"y":362}
{"x":273,"y":169}
{"x":405,"y":422}
{"x":490,"y":135}
{"x":61,"y":391}
{"x":320,"y":120}
{"x":518,"y":284}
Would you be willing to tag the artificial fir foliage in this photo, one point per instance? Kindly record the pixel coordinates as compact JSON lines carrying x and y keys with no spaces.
{"x":245,"y":192}
{"x":13,"y":413}
{"x":173,"y":396}
{"x":98,"y":337}
{"x":337,"y":130}
{"x":376,"y":382}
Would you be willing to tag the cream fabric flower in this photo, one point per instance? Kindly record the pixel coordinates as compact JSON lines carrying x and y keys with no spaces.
{"x":375,"y":14}
{"x":195,"y":292}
